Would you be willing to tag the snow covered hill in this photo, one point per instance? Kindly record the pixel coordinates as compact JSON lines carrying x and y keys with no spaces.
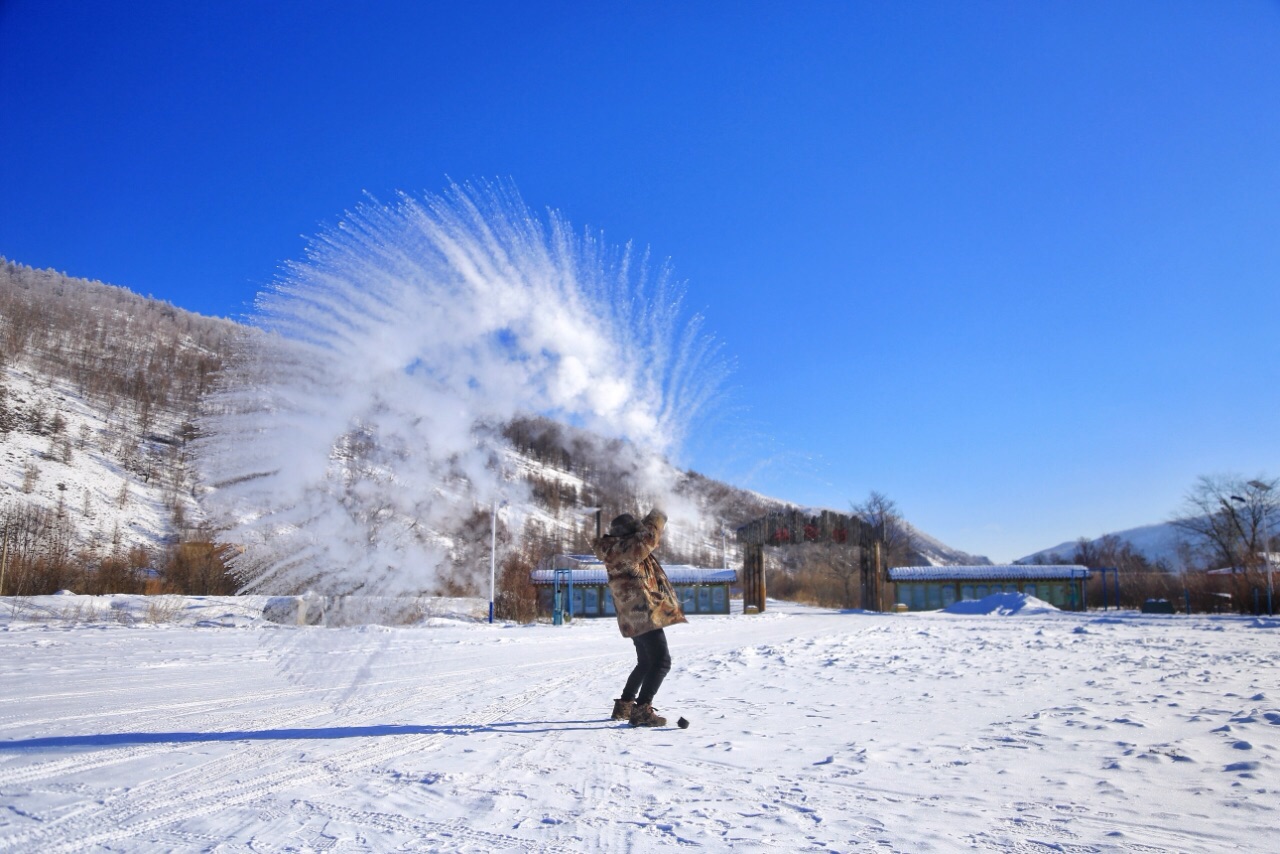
{"x":100,"y":391}
{"x":934,"y":552}
{"x":78,"y":468}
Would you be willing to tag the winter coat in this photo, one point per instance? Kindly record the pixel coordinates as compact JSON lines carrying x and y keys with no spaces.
{"x":642,"y":595}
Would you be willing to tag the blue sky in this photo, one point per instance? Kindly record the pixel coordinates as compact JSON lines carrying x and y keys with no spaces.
{"x":1016,"y":265}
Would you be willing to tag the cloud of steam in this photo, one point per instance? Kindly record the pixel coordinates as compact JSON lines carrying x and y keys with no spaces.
{"x":360,"y":426}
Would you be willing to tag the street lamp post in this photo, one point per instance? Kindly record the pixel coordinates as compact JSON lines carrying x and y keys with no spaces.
{"x":1266,"y":554}
{"x":493,"y":554}
{"x":1266,"y":546}
{"x":4,"y":557}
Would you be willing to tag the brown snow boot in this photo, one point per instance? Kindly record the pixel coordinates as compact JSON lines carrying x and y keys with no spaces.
{"x":622,"y":709}
{"x":643,"y":715}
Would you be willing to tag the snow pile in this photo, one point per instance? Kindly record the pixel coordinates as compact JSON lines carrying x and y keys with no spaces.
{"x":1003,"y":605}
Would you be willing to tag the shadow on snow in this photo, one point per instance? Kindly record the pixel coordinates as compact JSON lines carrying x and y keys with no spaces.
{"x":295,"y":734}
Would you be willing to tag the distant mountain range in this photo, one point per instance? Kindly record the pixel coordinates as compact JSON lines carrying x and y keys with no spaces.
{"x":1158,"y":543}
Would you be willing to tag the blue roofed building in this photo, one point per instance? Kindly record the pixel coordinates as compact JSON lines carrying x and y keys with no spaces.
{"x":931,"y":588}
{"x":586,"y":584}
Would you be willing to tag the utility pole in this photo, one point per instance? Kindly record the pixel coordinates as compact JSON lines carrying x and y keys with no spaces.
{"x":493,"y":556}
{"x":1262,"y":523}
{"x":1266,"y":553}
{"x":4,"y":556}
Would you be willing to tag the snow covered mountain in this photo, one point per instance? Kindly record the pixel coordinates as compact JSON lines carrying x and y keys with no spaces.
{"x":92,"y":481}
{"x":100,"y":390}
{"x":934,"y":552}
{"x":1158,"y":543}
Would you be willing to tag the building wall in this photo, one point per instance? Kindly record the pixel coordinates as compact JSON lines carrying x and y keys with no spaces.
{"x":595,"y":600}
{"x":934,"y":595}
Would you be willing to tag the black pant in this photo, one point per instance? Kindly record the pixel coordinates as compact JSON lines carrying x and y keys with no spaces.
{"x":652,"y":663}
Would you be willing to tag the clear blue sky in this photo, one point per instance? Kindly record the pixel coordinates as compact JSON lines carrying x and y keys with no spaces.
{"x":1014,"y":264}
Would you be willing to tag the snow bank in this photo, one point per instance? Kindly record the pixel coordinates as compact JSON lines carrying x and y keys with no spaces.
{"x":1003,"y":604}
{"x":67,"y":608}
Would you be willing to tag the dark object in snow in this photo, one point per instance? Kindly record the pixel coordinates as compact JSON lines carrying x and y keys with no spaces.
{"x":1157,"y":606}
{"x":304,"y":610}
{"x":682,"y":723}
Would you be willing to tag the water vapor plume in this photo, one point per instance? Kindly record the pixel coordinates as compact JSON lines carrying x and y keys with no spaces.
{"x":360,"y":427}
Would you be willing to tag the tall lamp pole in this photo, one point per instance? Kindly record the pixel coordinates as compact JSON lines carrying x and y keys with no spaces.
{"x":493,"y":555}
{"x":4,"y":557}
{"x":1262,"y":523}
{"x":1266,"y":546}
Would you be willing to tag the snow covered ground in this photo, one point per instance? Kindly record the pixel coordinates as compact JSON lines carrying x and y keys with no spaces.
{"x":192,"y":725}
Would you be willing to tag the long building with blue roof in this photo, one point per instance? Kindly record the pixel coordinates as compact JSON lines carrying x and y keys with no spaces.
{"x":931,"y":588}
{"x":586,"y":583}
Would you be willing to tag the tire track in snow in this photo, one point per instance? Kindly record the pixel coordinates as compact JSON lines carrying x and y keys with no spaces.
{"x":202,"y":790}
{"x":292,"y":717}
{"x":409,"y":690}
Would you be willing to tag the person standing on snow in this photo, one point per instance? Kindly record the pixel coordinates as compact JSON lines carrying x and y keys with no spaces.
{"x":646,"y":603}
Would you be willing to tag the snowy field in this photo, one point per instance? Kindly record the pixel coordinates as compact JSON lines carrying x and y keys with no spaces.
{"x":192,"y":725}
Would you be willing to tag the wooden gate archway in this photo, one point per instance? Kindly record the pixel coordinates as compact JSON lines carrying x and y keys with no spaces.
{"x":793,"y":527}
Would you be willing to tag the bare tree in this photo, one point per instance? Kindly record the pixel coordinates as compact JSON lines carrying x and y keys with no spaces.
{"x":881,"y":512}
{"x":1223,"y":518}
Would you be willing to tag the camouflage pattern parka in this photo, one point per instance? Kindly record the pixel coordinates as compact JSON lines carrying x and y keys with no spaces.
{"x":642,"y":595}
